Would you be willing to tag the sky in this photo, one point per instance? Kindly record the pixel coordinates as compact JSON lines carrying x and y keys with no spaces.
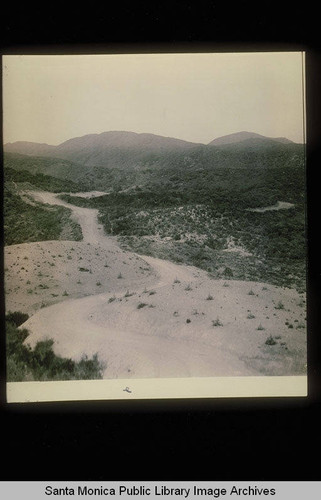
{"x":196,"y":97}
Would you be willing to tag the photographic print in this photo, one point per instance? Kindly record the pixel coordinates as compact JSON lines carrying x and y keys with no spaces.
{"x":154,"y":225}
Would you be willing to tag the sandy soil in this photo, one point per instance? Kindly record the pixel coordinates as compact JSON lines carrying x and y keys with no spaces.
{"x":147,"y":317}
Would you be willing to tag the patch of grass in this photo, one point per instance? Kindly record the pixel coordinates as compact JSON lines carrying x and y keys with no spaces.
{"x":217,"y":322}
{"x":188,"y":288}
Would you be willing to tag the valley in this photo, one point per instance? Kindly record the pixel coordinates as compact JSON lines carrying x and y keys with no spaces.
{"x":181,"y":266}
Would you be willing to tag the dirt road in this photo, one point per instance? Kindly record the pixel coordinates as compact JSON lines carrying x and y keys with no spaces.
{"x":164,"y":327}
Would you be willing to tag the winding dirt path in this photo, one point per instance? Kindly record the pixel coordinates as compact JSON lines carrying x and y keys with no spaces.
{"x":148,"y":333}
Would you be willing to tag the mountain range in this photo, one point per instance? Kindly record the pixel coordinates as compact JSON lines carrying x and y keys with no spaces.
{"x":119,"y":148}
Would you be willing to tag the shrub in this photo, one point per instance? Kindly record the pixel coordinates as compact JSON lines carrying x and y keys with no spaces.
{"x":41,"y":363}
{"x":217,"y":322}
{"x":279,"y":305}
{"x":209,"y":297}
{"x":228,"y":273}
{"x":260,"y":327}
{"x":17,"y":317}
{"x":141,"y":305}
{"x":270,"y":341}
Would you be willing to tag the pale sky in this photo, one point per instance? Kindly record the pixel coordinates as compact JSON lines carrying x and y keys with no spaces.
{"x":195,"y":97}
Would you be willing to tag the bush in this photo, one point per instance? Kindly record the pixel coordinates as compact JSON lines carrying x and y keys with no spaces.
{"x":270,"y":341}
{"x":41,"y":363}
{"x":17,"y":317}
{"x":228,"y":273}
{"x":217,"y":322}
{"x":141,"y":305}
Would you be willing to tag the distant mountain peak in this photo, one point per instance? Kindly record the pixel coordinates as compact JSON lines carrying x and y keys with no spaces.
{"x":245,"y":136}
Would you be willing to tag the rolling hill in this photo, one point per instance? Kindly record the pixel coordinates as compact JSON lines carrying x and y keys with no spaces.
{"x":109,"y":149}
{"x":246,"y":136}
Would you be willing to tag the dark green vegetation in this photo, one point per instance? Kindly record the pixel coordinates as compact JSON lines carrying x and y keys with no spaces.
{"x":47,"y":174}
{"x":190,"y":204}
{"x":41,"y":363}
{"x":192,"y":217}
{"x":25,"y":222}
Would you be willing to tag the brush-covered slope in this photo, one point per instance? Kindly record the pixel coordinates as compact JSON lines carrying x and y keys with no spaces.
{"x":109,"y":149}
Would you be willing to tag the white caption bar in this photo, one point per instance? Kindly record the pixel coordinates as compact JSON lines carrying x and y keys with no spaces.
{"x":170,"y":490}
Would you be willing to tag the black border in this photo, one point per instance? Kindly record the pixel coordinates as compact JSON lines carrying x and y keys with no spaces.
{"x":212,"y":439}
